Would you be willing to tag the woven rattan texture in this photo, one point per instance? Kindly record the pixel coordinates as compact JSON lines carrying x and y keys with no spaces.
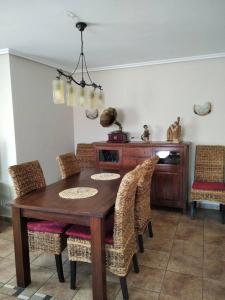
{"x":27,"y":177}
{"x":213,"y":196}
{"x":52,"y":243}
{"x":118,"y":255}
{"x":78,"y":193}
{"x":86,"y":155}
{"x":142,"y":201}
{"x":209,"y":163}
{"x":105,"y":176}
{"x":68,"y":165}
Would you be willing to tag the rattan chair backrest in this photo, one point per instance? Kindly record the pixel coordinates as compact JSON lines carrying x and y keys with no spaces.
{"x":209,"y":163}
{"x":142,"y":200}
{"x":124,"y":209}
{"x":27,"y":177}
{"x":68,"y":164}
{"x":85,"y":154}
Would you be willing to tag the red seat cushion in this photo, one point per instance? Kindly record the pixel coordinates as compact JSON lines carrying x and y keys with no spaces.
{"x":84,"y":232}
{"x":47,"y":226}
{"x":210,"y":186}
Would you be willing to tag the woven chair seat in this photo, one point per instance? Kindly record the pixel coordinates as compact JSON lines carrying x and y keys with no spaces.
{"x":210,"y":186}
{"x":47,"y":226}
{"x":83,"y":232}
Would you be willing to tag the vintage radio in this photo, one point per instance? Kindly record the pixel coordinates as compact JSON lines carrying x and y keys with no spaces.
{"x":118,"y":137}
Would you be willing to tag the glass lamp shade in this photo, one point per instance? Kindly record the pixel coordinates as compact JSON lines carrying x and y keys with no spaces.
{"x":101,"y":100}
{"x":91,"y":98}
{"x":71,"y":94}
{"x":58,"y":91}
{"x":83,"y":97}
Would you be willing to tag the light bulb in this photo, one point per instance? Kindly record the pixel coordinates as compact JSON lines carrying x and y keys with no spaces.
{"x":71,"y":94}
{"x":58,"y":91}
{"x":101,"y":100}
{"x":83,"y":97}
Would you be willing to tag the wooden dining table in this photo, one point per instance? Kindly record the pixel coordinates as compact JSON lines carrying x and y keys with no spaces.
{"x":46,"y":204}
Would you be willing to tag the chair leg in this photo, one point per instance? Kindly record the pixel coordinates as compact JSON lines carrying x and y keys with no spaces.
{"x":73,"y":275}
{"x":221,"y":207}
{"x":193,"y":209}
{"x":135,"y":263}
{"x":58,"y":261}
{"x":150,"y":232}
{"x":140,"y":243}
{"x":123,"y":284}
{"x":223,"y":213}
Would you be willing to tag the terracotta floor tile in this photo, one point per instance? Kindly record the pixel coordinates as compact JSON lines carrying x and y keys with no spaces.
{"x":6,"y":247}
{"x":190,"y":233}
{"x":214,"y":269}
{"x":86,"y":292}
{"x":154,"y":259}
{"x":47,"y":260}
{"x":138,"y":294}
{"x":213,"y":290}
{"x":147,"y":279}
{"x":39,"y":276}
{"x":214,"y":251}
{"x":4,"y":297}
{"x":198,"y":221}
{"x":59,"y":290}
{"x":7,"y":269}
{"x":164,"y":231}
{"x":158,"y":244}
{"x":187,"y":248}
{"x":185,"y":264}
{"x":6,"y":232}
{"x":180,"y":286}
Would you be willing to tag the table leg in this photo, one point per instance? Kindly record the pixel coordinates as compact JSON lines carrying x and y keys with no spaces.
{"x":98,"y":259}
{"x":21,"y":248}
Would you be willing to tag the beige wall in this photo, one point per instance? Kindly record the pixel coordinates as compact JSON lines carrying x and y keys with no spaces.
{"x":43,"y":130}
{"x":7,"y":134}
{"x":156,"y":95}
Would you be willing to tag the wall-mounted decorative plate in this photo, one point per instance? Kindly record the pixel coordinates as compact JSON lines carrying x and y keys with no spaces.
{"x":203,"y":110}
{"x":91,"y":113}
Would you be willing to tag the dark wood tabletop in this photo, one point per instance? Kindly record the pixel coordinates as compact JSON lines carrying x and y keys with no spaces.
{"x":47,"y":199}
{"x":46,"y":204}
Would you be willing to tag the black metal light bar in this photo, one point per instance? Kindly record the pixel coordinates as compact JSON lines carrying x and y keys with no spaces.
{"x":81,"y":27}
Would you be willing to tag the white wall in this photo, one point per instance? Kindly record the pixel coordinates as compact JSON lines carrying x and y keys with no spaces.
{"x":7,"y":135}
{"x":42,"y":129}
{"x":156,"y":95}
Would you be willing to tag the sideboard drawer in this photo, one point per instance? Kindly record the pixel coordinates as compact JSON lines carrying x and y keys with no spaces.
{"x":137,"y":151}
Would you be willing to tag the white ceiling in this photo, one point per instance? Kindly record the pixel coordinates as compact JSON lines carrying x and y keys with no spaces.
{"x":122,"y":31}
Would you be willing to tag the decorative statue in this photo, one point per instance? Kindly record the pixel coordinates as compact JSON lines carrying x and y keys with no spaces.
{"x":174,"y":132}
{"x":146,"y":134}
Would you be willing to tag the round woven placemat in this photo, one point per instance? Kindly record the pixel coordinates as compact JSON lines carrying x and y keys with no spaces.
{"x":78,"y":193}
{"x":105,"y":176}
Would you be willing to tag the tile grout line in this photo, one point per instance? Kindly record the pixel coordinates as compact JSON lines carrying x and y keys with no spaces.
{"x":169,"y":258}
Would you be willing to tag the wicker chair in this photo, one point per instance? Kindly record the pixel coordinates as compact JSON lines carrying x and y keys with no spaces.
{"x":142,"y":201}
{"x":46,"y":236}
{"x":68,"y":164}
{"x":120,"y":240}
{"x":209,"y":177}
{"x":86,"y":155}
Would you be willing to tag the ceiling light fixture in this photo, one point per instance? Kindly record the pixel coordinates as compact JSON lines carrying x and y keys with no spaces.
{"x":89,"y":94}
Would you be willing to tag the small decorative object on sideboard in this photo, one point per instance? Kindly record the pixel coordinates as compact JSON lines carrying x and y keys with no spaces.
{"x":146,"y":134}
{"x":91,"y":113}
{"x":174,"y":132}
{"x":203,"y":110}
{"x":108,"y":118}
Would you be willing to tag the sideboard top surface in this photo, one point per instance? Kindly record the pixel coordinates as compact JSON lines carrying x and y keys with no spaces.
{"x":143,"y":144}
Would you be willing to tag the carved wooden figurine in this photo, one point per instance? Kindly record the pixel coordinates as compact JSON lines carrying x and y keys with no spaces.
{"x":146,"y":134}
{"x":174,"y":132}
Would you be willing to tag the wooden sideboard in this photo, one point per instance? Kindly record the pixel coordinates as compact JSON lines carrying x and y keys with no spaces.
{"x":170,"y":179}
